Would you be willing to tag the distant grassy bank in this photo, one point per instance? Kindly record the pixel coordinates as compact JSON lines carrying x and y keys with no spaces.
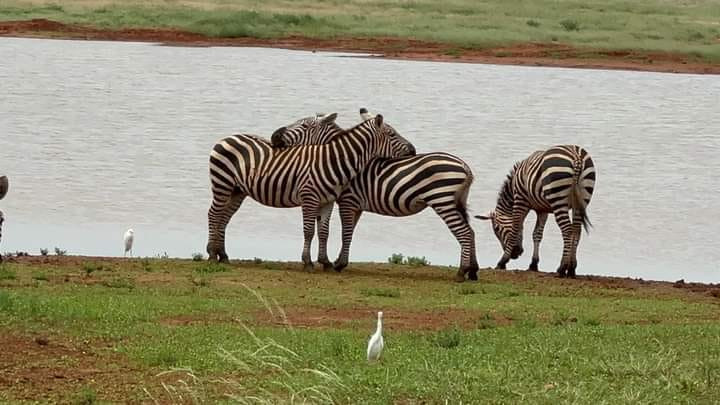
{"x":688,"y":28}
{"x":83,"y":330}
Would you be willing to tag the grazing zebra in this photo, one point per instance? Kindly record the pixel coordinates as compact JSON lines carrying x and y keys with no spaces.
{"x":556,"y":181}
{"x":401,"y":187}
{"x":4,"y":185}
{"x":310,"y":176}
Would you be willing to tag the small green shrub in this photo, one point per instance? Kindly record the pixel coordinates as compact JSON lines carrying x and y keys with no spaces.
{"x":119,"y":283}
{"x":91,"y":268}
{"x":532,"y":23}
{"x":44,"y":252}
{"x":146,"y":265}
{"x":86,"y":396}
{"x":447,"y":339}
{"x":6,"y":273}
{"x":396,"y":258}
{"x":570,"y":25}
{"x":198,"y":257}
{"x":211,"y":267}
{"x":416,"y":261}
{"x":60,"y":252}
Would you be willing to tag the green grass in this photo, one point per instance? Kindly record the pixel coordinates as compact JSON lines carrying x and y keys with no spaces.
{"x":248,"y":331}
{"x":652,"y":25}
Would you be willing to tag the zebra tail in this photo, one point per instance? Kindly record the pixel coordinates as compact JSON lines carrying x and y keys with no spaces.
{"x":4,"y":185}
{"x":462,"y":195}
{"x":577,"y":202}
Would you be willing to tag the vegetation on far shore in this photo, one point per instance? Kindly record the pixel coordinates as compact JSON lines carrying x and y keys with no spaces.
{"x":690,"y":28}
{"x":99,"y":329}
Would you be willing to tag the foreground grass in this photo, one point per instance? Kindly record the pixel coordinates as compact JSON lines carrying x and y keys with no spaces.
{"x":651,"y":25}
{"x":271,"y":332}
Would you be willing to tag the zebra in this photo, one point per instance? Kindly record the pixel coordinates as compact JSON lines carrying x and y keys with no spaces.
{"x":4,"y":186}
{"x":401,"y":187}
{"x":310,"y":176}
{"x":556,"y":181}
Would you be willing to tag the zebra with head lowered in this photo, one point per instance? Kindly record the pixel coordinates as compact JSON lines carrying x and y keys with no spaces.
{"x":4,"y":185}
{"x":401,"y":187}
{"x":556,"y":180}
{"x":310,"y":176}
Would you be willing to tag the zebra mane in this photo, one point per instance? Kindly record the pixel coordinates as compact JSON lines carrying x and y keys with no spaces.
{"x":505,"y":196}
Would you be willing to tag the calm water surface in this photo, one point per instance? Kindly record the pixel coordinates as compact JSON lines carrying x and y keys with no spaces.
{"x":97,"y":137}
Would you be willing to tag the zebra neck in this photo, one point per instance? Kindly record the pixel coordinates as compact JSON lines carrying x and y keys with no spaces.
{"x":353,"y":151}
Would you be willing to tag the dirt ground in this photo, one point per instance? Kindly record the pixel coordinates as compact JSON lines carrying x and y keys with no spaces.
{"x":530,"y":54}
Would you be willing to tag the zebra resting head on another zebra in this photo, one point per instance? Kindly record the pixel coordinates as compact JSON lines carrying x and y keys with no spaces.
{"x":557,"y":180}
{"x":307,"y":176}
{"x":312,"y":131}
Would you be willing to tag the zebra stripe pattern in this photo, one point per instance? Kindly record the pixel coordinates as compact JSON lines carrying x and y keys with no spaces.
{"x":558,"y":180}
{"x":4,"y":185}
{"x":310,"y":176}
{"x":403,"y":187}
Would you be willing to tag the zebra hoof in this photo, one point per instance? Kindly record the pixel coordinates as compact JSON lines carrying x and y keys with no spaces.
{"x":327,"y":266}
{"x":533,"y":266}
{"x":500,"y":266}
{"x":308,"y":268}
{"x":340,"y":266}
{"x":460,"y":278}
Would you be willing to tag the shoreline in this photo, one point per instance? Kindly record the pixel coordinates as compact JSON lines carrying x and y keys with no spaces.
{"x":517,"y":274}
{"x":527,"y":54}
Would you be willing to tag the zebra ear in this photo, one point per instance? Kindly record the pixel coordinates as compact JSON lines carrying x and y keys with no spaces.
{"x":379,"y":120}
{"x":364,"y":114}
{"x":330,"y":118}
{"x":276,"y":138}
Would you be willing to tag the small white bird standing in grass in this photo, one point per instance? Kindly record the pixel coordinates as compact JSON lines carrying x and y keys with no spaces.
{"x":129,"y":236}
{"x":375,"y":345}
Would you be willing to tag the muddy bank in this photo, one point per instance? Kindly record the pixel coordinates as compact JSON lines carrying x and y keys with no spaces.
{"x":530,"y":54}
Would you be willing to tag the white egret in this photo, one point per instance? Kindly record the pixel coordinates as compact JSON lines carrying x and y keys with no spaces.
{"x":375,"y":345}
{"x":129,"y":236}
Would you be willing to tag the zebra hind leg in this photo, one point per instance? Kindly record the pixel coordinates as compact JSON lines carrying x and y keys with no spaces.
{"x":457,"y":222}
{"x":221,"y":210}
{"x":563,"y":220}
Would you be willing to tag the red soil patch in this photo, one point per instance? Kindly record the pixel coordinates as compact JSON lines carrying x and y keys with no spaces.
{"x":393,"y":320}
{"x":532,"y":54}
{"x":48,"y":369}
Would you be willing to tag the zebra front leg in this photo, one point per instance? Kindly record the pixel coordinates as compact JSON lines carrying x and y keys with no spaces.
{"x":537,"y":238}
{"x":349,"y":217}
{"x":310,"y":211}
{"x":464,"y":234}
{"x":323,"y":224}
{"x":221,"y":210}
{"x":563,"y":220}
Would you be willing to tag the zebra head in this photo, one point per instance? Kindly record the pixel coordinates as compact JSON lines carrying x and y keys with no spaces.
{"x":399,"y":146}
{"x":502,"y":218}
{"x":314,"y":130}
{"x":4,"y":185}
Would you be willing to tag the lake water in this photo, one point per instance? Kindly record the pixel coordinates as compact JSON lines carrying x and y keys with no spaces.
{"x":97,"y":137}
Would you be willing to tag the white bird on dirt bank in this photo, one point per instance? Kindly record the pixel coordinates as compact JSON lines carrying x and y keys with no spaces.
{"x":129,"y":236}
{"x":375,"y":345}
